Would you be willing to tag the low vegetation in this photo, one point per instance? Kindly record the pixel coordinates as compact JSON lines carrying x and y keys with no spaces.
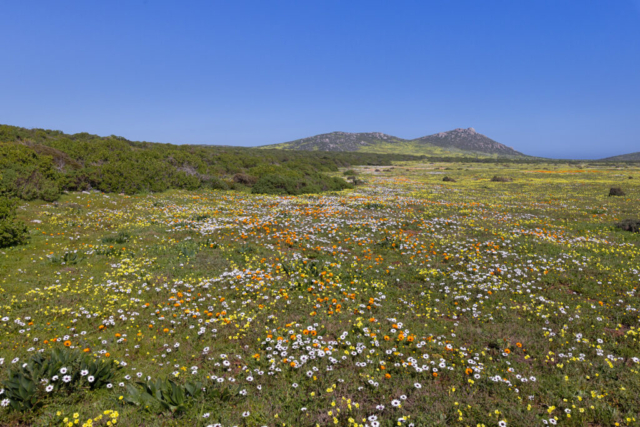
{"x":41,"y":164}
{"x":404,"y":300}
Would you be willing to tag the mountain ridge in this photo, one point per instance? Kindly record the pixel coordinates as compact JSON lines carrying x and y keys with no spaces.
{"x":625,"y":157}
{"x":455,"y":142}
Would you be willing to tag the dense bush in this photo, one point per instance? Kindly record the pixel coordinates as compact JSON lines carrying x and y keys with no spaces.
{"x":632,"y":225}
{"x":280,"y":184}
{"x":616,"y":191}
{"x":40,"y":164}
{"x":27,"y":175}
{"x":12,"y":231}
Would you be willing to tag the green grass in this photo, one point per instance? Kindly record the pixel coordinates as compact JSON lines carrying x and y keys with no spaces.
{"x":486,"y":282}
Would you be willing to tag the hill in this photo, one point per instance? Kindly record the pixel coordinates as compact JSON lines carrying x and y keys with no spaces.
{"x":457,"y":142}
{"x":338,"y":141}
{"x":631,"y":157}
{"x":468,"y":140}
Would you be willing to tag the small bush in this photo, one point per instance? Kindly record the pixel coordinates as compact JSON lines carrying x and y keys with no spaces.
{"x":120,"y":238}
{"x":355,"y":181}
{"x":632,"y":225}
{"x":47,"y":374}
{"x":243,"y":178}
{"x":497,"y":178}
{"x":276,"y":184}
{"x":287,"y":185}
{"x":215,"y":183}
{"x":166,"y":395}
{"x":616,"y":191}
{"x":447,"y":179}
{"x":12,"y":231}
{"x":350,"y":172}
{"x":372,"y":205}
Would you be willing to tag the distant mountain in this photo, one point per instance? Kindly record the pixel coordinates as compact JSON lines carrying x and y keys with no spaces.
{"x":625,"y":157}
{"x":457,"y":142}
{"x":468,"y":140}
{"x":338,"y":141}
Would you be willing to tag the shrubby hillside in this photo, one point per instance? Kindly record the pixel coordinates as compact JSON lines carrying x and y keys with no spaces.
{"x":40,"y":164}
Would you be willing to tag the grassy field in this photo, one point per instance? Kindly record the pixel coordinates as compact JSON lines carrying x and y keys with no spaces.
{"x":407,"y":301}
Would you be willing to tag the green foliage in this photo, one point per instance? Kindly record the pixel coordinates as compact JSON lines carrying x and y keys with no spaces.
{"x":166,"y":395}
{"x":26,"y":174}
{"x":40,"y":164}
{"x":372,"y":205}
{"x":12,"y":231}
{"x":120,"y":238}
{"x":280,"y":184}
{"x":59,"y":371}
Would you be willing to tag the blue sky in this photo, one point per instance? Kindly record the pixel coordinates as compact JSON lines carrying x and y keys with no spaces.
{"x":550,"y":78}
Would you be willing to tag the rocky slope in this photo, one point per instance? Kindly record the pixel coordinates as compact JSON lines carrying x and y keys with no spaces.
{"x":455,"y":142}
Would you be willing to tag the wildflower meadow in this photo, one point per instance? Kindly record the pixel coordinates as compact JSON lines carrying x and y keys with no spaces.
{"x":407,"y":300}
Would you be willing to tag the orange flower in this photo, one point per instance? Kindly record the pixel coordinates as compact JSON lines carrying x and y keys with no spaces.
{"x":67,"y":343}
{"x":519,"y":344}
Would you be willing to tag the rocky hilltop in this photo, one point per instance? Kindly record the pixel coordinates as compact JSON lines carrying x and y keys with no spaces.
{"x":455,"y":142}
{"x":340,"y":141}
{"x":468,"y":140}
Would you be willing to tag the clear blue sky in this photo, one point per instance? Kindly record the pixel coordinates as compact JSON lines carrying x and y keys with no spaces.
{"x":551,"y":78}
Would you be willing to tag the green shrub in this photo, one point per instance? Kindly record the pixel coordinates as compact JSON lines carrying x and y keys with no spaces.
{"x":215,"y":183}
{"x":284,"y":185}
{"x":59,"y":371}
{"x":166,"y":395}
{"x":28,"y":175}
{"x":120,"y":238}
{"x":12,"y":231}
{"x":277,"y":184}
{"x":40,"y":164}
